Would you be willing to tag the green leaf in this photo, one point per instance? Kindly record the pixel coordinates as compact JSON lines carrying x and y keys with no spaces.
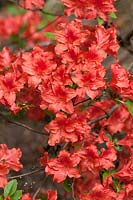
{"x":10,"y":188}
{"x":18,"y":116}
{"x":50,"y":35}
{"x":42,"y":197}
{"x":14,"y":10}
{"x":118,"y":148}
{"x":109,"y":136}
{"x":99,"y":20}
{"x":15,"y":39}
{"x":1,"y":197}
{"x":113,"y":15}
{"x":105,"y":174}
{"x":46,"y":19}
{"x":77,"y":146}
{"x":129,"y":105}
{"x":50,"y":116}
{"x":117,"y":184}
{"x":17,"y":195}
{"x":73,"y":86}
{"x":67,"y":185}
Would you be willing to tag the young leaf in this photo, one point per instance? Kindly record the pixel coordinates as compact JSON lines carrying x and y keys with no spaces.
{"x":105,"y":174}
{"x":118,"y":148}
{"x":67,"y":185}
{"x":17,"y":195}
{"x":117,"y":185}
{"x":50,"y":35}
{"x":43,"y":197}
{"x":14,"y":10}
{"x":129,"y":105}
{"x":10,"y":188}
{"x":113,"y":15}
{"x":100,"y":21}
{"x":1,"y":198}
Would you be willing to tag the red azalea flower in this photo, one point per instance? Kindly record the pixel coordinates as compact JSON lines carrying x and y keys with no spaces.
{"x":63,"y":166}
{"x":68,"y":129}
{"x":9,"y":160}
{"x":89,"y":9}
{"x":31,"y":4}
{"x":57,"y":97}
{"x":26,"y":197}
{"x":51,"y":195}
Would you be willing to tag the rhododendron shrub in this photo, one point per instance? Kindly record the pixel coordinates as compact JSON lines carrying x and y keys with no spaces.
{"x":90,"y":114}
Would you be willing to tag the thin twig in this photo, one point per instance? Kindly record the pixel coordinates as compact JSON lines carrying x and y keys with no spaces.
{"x":75,"y":104}
{"x":25,"y":174}
{"x":81,"y":102}
{"x":39,"y":188}
{"x":105,"y":115}
{"x":73,"y":195}
{"x":22,"y":125}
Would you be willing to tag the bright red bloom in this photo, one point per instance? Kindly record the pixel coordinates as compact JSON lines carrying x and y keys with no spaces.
{"x":127,"y":141}
{"x":51,"y":195}
{"x":38,"y":65}
{"x":9,"y":160}
{"x":106,"y":39}
{"x":120,"y":77}
{"x":90,"y":82}
{"x":6,"y":58}
{"x":94,"y":55}
{"x":26,"y":197}
{"x":89,"y":8}
{"x":70,"y":34}
{"x":31,"y":4}
{"x":63,"y":166}
{"x":128,"y":92}
{"x":10,"y":26}
{"x":11,"y":83}
{"x":85,"y":183}
{"x":67,"y":129}
{"x":61,"y":76}
{"x":126,"y":173}
{"x":57,"y":97}
{"x":117,"y":120}
{"x":93,"y":161}
{"x":99,"y":192}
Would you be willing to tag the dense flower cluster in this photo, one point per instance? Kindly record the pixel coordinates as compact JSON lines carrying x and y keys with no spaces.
{"x":68,"y":79}
{"x":89,"y":9}
{"x":9,"y":160}
{"x":32,"y":4}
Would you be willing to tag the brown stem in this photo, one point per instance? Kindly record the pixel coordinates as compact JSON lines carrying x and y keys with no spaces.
{"x":75,"y":104}
{"x":91,"y":105}
{"x":104,"y":116}
{"x":39,"y":188}
{"x":73,"y":195}
{"x":22,"y":125}
{"x":25,"y":174}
